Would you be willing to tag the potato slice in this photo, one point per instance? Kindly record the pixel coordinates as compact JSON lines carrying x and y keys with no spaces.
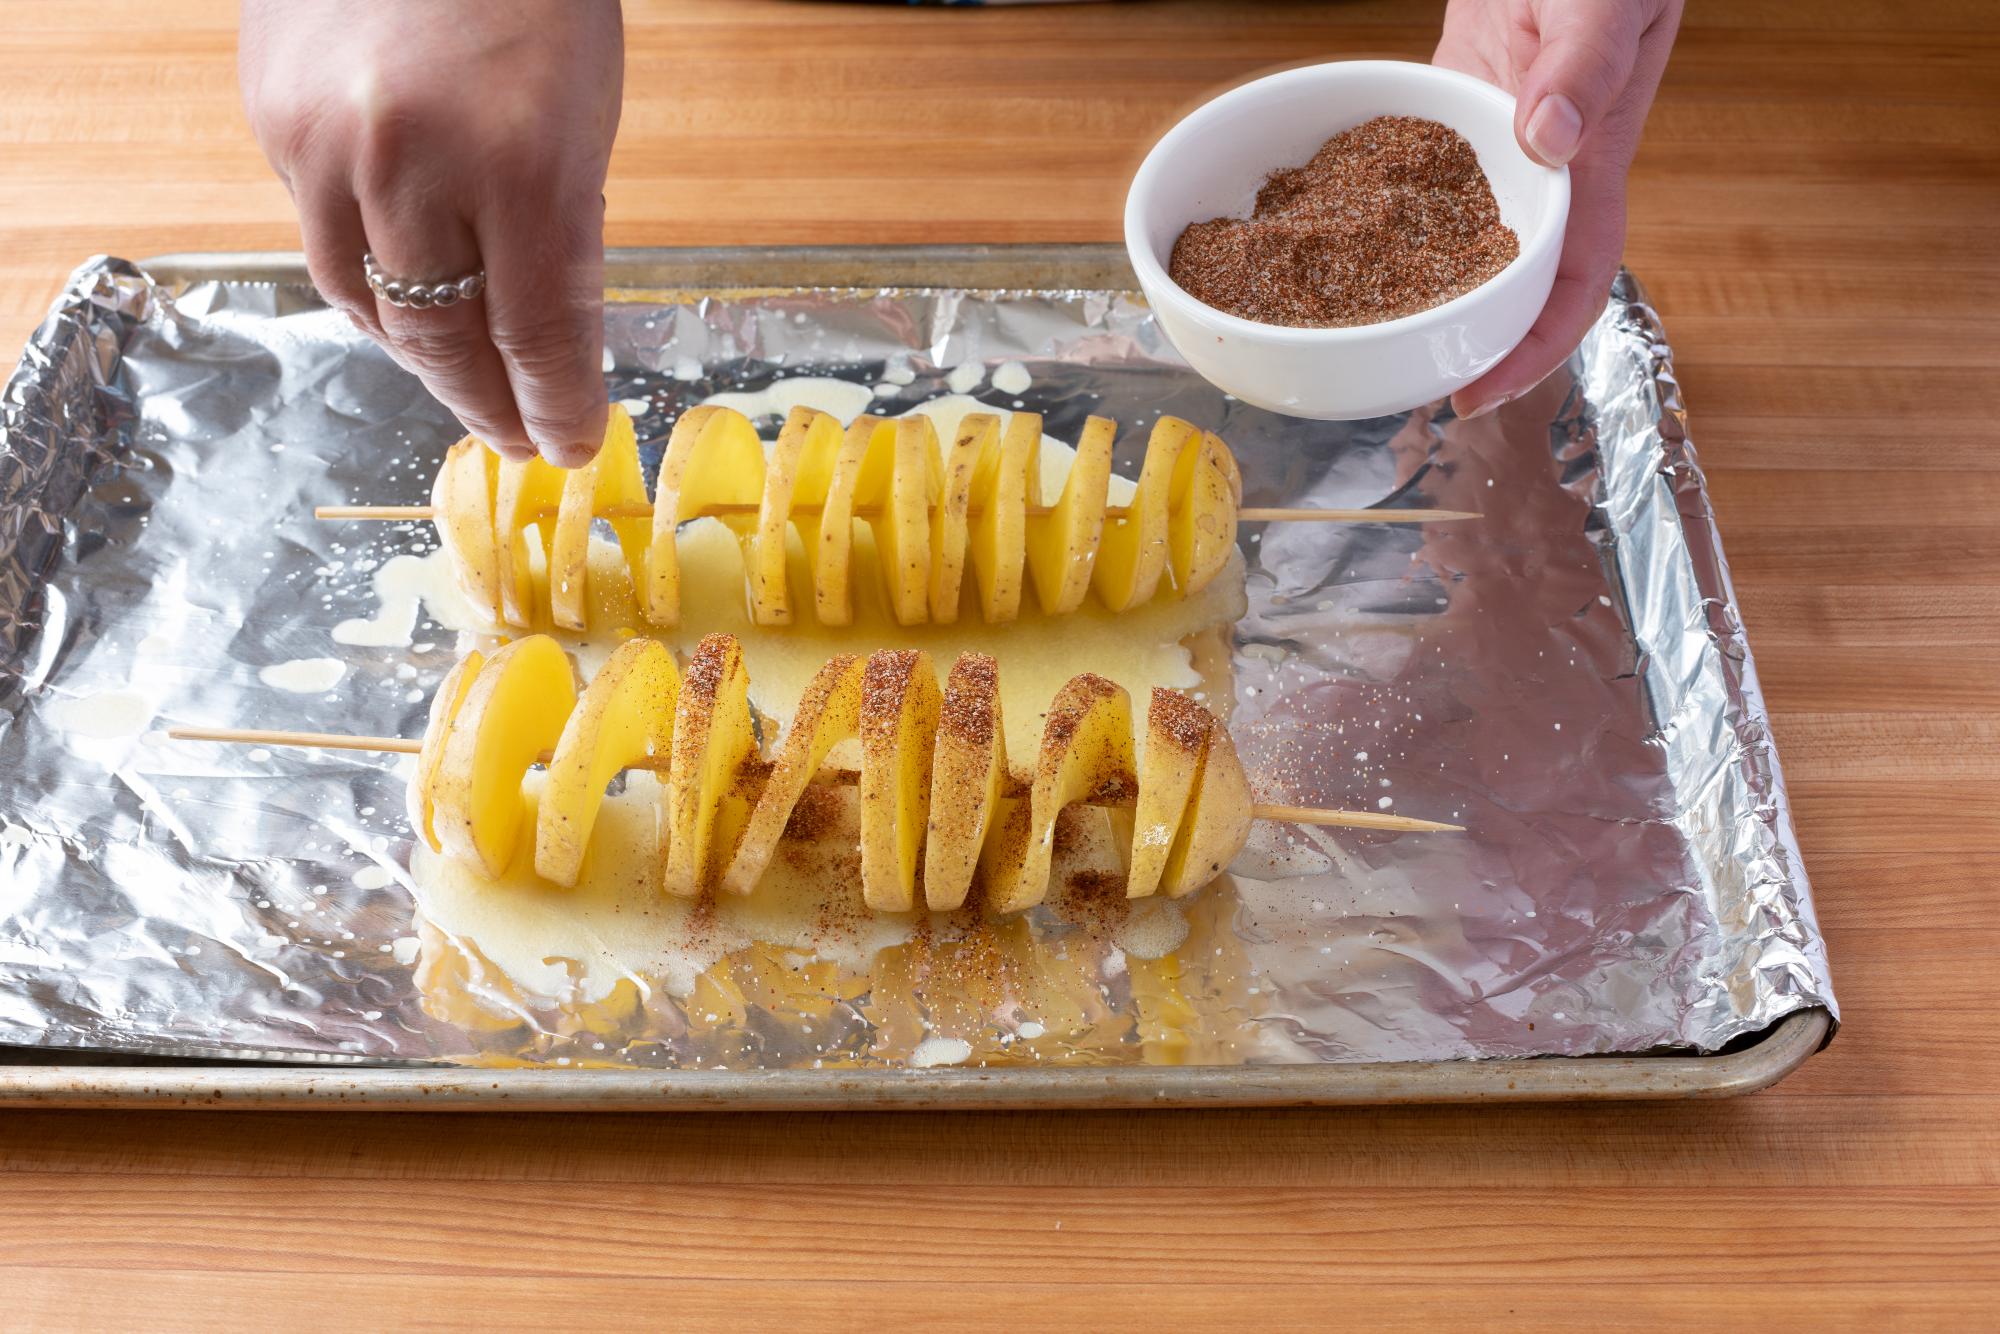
{"x":1225,"y":462}
{"x":1177,"y":732}
{"x":899,"y":722}
{"x":1062,"y":545}
{"x":998,"y":536}
{"x":1086,"y":755}
{"x":462,"y":501}
{"x":978,"y":436}
{"x":612,"y":478}
{"x":713,"y":736}
{"x":968,"y":775}
{"x":832,"y":550}
{"x":514,"y":711}
{"x":828,"y":714}
{"x":713,"y":458}
{"x":903,"y":530}
{"x":446,"y":702}
{"x":896,"y":480}
{"x":1133,"y":553}
{"x":795,"y":484}
{"x":1207,"y":492}
{"x":528,"y":493}
{"x":1217,"y":821}
{"x":626,"y":715}
{"x":1006,"y":850}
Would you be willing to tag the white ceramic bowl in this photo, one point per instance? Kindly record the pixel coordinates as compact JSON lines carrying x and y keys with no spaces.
{"x":1211,"y":165}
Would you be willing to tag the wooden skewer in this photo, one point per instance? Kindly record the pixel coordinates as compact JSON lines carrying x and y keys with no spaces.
{"x":1251,"y":515}
{"x":1404,"y":824}
{"x":396,"y":745}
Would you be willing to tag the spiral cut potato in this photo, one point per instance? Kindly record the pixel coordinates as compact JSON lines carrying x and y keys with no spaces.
{"x":934,"y":514}
{"x":939,"y":805}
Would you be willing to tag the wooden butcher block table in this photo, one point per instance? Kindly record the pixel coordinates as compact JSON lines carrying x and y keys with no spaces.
{"x":1814,"y":213}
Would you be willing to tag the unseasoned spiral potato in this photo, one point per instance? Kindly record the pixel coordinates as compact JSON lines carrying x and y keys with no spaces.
{"x":934,"y":513}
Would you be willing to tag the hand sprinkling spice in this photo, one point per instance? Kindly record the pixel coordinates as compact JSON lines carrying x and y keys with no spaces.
{"x":1389,"y":218}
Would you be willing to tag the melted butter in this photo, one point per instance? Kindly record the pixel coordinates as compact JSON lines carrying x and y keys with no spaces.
{"x":934,"y":1051}
{"x":303,"y":676}
{"x":1090,"y":979}
{"x":437,"y":589}
{"x":841,"y":398}
{"x":105,"y":715}
{"x":1012,"y":378}
{"x":573,"y":947}
{"x":401,"y":587}
{"x":1153,"y":929}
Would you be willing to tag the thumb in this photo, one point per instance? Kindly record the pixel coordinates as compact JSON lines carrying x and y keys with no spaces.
{"x":545,"y":289}
{"x":1583,"y":63}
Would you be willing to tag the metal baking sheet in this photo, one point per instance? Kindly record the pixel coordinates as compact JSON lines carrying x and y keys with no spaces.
{"x":1630,"y":887}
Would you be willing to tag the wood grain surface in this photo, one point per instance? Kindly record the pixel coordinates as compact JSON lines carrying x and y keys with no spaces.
{"x":1815,"y":213}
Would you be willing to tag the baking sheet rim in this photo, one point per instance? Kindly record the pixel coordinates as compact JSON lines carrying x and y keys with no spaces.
{"x":1780,"y":1050}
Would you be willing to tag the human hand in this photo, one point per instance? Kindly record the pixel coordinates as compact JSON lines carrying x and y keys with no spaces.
{"x":445,"y":138}
{"x":1584,"y":73}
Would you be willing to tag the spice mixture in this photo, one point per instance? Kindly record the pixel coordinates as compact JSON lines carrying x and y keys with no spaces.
{"x":1389,"y":218}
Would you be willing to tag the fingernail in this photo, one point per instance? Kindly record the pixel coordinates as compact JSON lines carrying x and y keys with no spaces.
{"x":1555,"y":130}
{"x":1490,"y":406}
{"x":511,"y":453}
{"x":568,"y":456}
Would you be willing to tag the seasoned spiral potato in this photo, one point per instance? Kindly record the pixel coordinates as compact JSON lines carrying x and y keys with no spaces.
{"x":940,"y":808}
{"x":934,"y":512}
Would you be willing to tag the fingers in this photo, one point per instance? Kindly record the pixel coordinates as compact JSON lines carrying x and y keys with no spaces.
{"x":1584,"y":73}
{"x":360,"y":108}
{"x":1475,"y":39}
{"x":330,"y":227}
{"x":545,"y":308}
{"x":1581,"y":66}
{"x":448,"y":347}
{"x":1593,"y":244}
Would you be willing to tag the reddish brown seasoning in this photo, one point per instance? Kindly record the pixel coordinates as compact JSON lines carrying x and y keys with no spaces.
{"x":1389,"y":218}
{"x":1180,"y":720}
{"x":706,"y":668}
{"x":972,"y":699}
{"x":1067,"y":710}
{"x":819,"y":812}
{"x":885,"y":682}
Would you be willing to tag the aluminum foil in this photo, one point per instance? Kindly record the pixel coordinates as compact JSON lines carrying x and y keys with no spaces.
{"x":1568,"y":677}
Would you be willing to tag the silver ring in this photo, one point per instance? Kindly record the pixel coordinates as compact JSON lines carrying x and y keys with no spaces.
{"x":421,"y":296}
